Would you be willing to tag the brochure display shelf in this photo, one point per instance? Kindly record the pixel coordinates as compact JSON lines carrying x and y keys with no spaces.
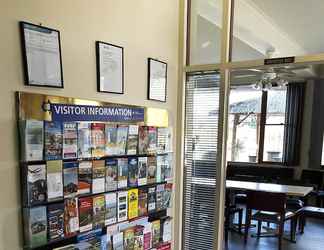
{"x":93,"y":174}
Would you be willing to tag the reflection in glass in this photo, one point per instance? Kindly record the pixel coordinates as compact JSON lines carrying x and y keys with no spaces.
{"x":244,"y":124}
{"x":276,"y":28}
{"x":205,"y":31}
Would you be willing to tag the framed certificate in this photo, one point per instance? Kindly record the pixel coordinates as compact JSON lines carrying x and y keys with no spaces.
{"x":110,"y":68}
{"x":157,"y":80}
{"x":41,"y":49}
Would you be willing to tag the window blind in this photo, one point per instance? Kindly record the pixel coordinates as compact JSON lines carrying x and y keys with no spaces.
{"x":202,"y":112}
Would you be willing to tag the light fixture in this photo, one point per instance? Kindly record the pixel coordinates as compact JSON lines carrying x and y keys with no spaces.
{"x":270,"y":80}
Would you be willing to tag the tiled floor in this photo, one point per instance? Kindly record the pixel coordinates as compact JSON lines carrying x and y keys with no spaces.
{"x":312,"y":239}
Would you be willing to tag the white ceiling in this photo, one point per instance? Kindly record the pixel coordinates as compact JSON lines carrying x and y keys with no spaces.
{"x":301,"y":20}
{"x":289,"y":27}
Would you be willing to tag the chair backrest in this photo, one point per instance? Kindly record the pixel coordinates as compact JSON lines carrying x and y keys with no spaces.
{"x":265,"y":201}
{"x":312,"y":177}
{"x":264,"y":174}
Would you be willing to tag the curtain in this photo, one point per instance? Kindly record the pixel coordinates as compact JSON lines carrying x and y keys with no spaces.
{"x":294,"y":118}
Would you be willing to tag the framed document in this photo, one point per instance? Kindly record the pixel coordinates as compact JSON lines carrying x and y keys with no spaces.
{"x":41,"y":48}
{"x":110,"y":68}
{"x":157,"y":80}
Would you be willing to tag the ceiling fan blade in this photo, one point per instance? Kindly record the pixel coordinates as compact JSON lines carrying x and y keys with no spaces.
{"x":244,"y":76}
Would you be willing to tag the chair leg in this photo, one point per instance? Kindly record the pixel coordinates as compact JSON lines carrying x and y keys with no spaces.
{"x":240,"y":221}
{"x":293,"y":224}
{"x":247,"y":224}
{"x":281,"y":229}
{"x":259,"y":228}
{"x":302,"y":224}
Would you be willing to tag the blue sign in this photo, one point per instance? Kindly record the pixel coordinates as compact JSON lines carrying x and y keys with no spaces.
{"x":68,"y":112}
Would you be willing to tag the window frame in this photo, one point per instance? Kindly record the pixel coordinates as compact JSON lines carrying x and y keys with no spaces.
{"x":263,"y":124}
{"x":224,"y":67}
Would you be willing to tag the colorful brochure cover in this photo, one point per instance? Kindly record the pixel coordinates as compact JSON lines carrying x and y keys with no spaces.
{"x":70,"y":179}
{"x":159,"y":197}
{"x":55,"y":217}
{"x":122,"y":133}
{"x":132,"y":140}
{"x":156,"y":232}
{"x":142,"y":171}
{"x":36,"y":184}
{"x":89,"y":240}
{"x":132,"y":172}
{"x":32,"y":135}
{"x":129,"y":239}
{"x":85,"y":177}
{"x":152,"y":140}
{"x":151,"y":197}
{"x":111,"y":208}
{"x":85,"y":214}
{"x":84,"y":140}
{"x":99,"y":209}
{"x":122,"y":206}
{"x":98,"y":139}
{"x":111,"y":174}
{"x":167,"y":196}
{"x":122,"y":172}
{"x":36,"y":226}
{"x":71,"y":217}
{"x":132,"y":203}
{"x":111,"y":139}
{"x":54,"y":180}
{"x":53,"y":140}
{"x":142,"y":201}
{"x":98,"y":176}
{"x":151,"y":169}
{"x":118,"y":241}
{"x":138,"y":238}
{"x":70,"y":140}
{"x":164,"y":140}
{"x":143,"y":140}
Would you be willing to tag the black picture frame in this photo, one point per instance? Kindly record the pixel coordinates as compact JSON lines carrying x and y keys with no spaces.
{"x":98,"y":55}
{"x":27,"y":79}
{"x":149,"y":79}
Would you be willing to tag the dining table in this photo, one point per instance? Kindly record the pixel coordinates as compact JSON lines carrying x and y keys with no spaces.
{"x":289,"y":190}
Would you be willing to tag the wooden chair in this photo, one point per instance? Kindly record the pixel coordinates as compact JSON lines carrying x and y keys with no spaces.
{"x":271,"y":208}
{"x":314,"y":178}
{"x":230,"y":211}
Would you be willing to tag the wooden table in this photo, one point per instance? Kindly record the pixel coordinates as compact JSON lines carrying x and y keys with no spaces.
{"x":299,"y":191}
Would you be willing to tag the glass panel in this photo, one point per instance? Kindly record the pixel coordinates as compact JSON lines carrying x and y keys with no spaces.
{"x":244,"y":124}
{"x":277,"y":28}
{"x":202,"y":111}
{"x":276,"y":106}
{"x":273,"y":143}
{"x":205,"y":31}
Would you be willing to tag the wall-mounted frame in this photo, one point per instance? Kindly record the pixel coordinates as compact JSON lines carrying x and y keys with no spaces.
{"x":110,"y":68}
{"x":42,"y":58}
{"x":157,"y":80}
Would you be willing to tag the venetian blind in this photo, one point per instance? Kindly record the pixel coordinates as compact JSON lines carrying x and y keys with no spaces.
{"x":202,"y":111}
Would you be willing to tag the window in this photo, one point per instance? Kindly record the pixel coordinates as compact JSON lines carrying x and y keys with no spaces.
{"x":244,"y":124}
{"x":202,"y":108}
{"x":205,"y":31}
{"x":276,"y":28}
{"x":256,"y":125}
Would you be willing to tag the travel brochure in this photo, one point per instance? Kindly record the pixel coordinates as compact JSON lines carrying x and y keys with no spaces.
{"x":77,"y":140}
{"x":83,"y":176}
{"x":124,"y":210}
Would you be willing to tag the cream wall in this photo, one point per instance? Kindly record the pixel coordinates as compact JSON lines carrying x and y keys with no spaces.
{"x":145,"y":28}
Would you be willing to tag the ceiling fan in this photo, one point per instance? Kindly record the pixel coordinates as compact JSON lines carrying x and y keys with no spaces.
{"x":274,"y":77}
